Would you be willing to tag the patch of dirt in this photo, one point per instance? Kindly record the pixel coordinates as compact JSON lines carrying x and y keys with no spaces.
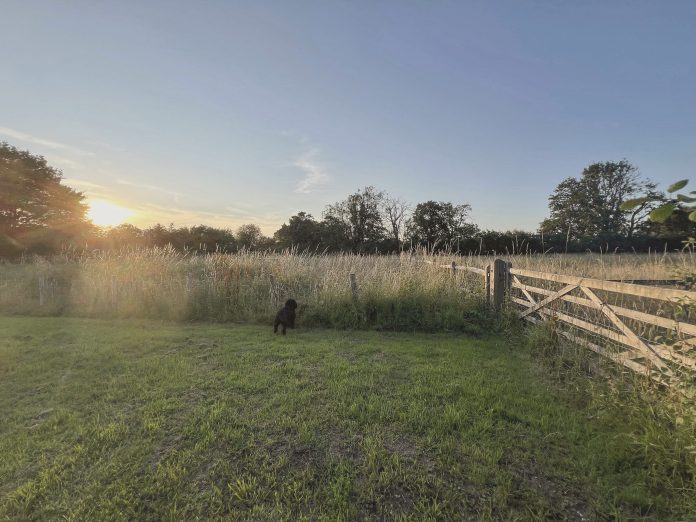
{"x":566,"y":500}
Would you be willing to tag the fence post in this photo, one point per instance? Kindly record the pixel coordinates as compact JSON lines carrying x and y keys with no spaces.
{"x":488,"y":284}
{"x":354,"y":287}
{"x":500,"y":282}
{"x":454,"y":268}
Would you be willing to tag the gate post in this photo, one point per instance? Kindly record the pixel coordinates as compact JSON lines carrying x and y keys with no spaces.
{"x":500,"y":282}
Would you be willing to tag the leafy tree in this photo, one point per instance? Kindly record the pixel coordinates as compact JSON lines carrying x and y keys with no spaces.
{"x":37,"y":212}
{"x":359,"y":217}
{"x":158,"y":235}
{"x":335,"y":235}
{"x":250,"y":237}
{"x":123,"y":236}
{"x":210,"y":239}
{"x":439,"y":224}
{"x":301,"y":231}
{"x":591,"y":206}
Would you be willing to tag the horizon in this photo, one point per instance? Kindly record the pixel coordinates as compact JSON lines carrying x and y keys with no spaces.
{"x":223,"y":115}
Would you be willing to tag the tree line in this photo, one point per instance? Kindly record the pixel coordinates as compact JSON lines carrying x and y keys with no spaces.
{"x":606,"y":207}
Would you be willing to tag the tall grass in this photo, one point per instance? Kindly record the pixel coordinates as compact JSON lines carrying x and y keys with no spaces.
{"x":658,"y":423}
{"x":398,"y":292}
{"x":619,"y":266}
{"x":394,"y":292}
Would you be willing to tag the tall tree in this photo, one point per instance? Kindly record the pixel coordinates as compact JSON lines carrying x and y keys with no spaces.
{"x":590,"y":206}
{"x":440,"y":224}
{"x":34,"y":206}
{"x":302,"y":231}
{"x":250,"y":237}
{"x":395,"y":214}
{"x":360,"y":216}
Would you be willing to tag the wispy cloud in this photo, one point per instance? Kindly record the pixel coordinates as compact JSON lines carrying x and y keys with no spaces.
{"x":153,"y":188}
{"x":81,"y":183}
{"x":50,"y":144}
{"x":314,"y":172}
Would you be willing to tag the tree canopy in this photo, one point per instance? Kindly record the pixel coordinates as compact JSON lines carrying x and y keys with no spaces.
{"x":591,"y":206}
{"x":441,"y":223}
{"x":35,"y":208}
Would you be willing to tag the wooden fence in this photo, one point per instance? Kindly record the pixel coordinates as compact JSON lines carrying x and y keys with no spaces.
{"x":645,"y":328}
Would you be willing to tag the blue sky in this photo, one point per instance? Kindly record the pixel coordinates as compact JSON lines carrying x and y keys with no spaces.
{"x":224,"y":113}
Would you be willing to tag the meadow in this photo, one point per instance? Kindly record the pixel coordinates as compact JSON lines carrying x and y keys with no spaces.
{"x":152,"y":420}
{"x":398,"y":292}
{"x":148,"y":385}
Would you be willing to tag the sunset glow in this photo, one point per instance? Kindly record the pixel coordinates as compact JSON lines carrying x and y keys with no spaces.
{"x":106,"y":214}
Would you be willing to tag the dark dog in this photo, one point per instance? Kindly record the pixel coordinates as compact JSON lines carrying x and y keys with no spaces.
{"x":286,"y":316}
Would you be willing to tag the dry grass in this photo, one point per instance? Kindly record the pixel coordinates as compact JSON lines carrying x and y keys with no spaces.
{"x":624,"y":266}
{"x":395,"y":292}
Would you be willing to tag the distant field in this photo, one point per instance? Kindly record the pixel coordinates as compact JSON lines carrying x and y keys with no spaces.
{"x":105,"y":420}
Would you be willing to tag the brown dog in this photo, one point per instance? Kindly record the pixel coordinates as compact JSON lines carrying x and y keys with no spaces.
{"x":285,"y":316}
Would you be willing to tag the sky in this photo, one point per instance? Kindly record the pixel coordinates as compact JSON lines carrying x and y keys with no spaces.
{"x":224,"y":113}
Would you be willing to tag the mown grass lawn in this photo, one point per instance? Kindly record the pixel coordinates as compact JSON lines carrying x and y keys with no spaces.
{"x":105,"y":420}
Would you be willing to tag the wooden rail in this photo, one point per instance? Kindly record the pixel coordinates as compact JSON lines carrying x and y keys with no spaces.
{"x":651,"y":357}
{"x":485,"y":272}
{"x":581,"y":306}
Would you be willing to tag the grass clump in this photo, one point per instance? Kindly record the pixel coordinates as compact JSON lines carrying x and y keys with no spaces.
{"x":656,"y":448}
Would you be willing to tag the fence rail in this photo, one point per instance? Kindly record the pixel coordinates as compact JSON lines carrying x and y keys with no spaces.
{"x":584,"y":310}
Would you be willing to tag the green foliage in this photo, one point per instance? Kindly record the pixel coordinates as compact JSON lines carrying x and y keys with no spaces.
{"x":440,"y":223}
{"x":601,"y":202}
{"x":36,"y":210}
{"x":358,"y":218}
{"x":302,"y":232}
{"x":677,"y":186}
{"x":659,"y":425}
{"x":250,"y":237}
{"x":681,"y":204}
{"x":661,"y":213}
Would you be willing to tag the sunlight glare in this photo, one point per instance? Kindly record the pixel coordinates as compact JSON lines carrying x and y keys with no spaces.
{"x":106,"y":214}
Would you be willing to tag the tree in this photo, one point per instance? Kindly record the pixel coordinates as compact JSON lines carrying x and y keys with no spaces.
{"x":395,"y":211}
{"x":158,"y":235}
{"x":302,"y":231}
{"x":37,"y":212}
{"x":591,"y":206}
{"x":438,"y":223}
{"x":210,"y":239}
{"x":359,"y":216}
{"x":123,"y":236}
{"x":250,"y":237}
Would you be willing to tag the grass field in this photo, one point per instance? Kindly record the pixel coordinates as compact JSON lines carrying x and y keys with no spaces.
{"x":108,"y":420}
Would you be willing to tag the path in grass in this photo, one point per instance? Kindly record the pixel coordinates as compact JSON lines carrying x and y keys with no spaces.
{"x":105,"y":420}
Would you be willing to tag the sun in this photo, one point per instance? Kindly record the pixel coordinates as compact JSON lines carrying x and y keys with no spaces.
{"x":107,"y":214}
